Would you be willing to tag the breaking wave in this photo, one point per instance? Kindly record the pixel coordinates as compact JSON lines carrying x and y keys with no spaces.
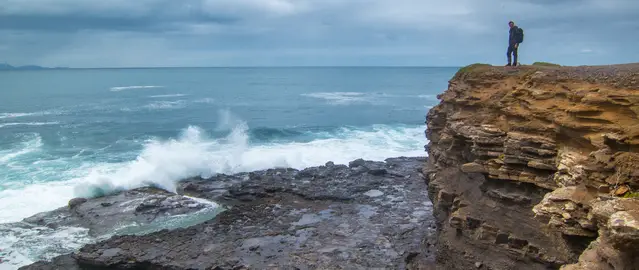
{"x":32,"y":144}
{"x":28,"y":124}
{"x":123,"y":88}
{"x":162,"y":163}
{"x":376,"y":98}
{"x":26,"y":114}
{"x":166,"y":105}
{"x":340,"y":98}
{"x":168,"y":96}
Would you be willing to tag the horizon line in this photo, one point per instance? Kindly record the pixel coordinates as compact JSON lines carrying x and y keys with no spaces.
{"x":17,"y":68}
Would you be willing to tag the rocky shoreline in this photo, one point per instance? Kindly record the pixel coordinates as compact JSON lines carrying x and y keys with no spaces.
{"x":362,"y":216}
{"x":85,"y":221}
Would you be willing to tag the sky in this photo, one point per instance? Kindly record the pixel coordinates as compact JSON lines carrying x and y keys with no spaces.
{"x":202,"y":33}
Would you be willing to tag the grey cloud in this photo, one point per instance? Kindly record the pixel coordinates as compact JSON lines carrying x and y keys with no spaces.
{"x":140,"y":15}
{"x":86,"y":22}
{"x":61,"y":23}
{"x":313,"y":32}
{"x":77,"y":15}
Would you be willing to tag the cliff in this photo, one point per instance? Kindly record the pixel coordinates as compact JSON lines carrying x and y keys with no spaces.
{"x":535,"y":168}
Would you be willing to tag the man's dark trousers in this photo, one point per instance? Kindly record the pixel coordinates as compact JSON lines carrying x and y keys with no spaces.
{"x":512,"y":50}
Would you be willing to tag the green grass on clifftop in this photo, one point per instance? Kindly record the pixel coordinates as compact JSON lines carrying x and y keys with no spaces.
{"x":470,"y":68}
{"x":545,"y":64}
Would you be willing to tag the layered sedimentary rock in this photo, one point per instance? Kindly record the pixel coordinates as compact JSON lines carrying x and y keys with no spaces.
{"x":368,"y":215}
{"x":535,"y":168}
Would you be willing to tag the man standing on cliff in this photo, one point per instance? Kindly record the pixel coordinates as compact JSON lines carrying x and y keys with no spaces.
{"x":515,"y":36}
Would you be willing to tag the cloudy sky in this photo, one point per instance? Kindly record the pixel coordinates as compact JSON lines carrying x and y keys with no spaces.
{"x":133,"y":33}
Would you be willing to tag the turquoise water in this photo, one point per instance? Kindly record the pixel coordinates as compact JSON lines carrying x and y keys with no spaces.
{"x":70,"y":133}
{"x":83,"y":133}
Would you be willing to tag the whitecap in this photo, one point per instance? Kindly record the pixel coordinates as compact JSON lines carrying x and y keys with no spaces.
{"x":166,"y":105}
{"x":205,"y":100}
{"x":430,"y":97}
{"x":340,"y":98}
{"x":123,"y":88}
{"x":26,"y":114}
{"x":28,"y":124}
{"x":14,"y":115}
{"x":168,"y":96}
{"x":31,"y":145}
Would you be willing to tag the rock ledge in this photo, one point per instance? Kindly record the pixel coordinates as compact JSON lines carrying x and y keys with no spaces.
{"x":366,"y":215}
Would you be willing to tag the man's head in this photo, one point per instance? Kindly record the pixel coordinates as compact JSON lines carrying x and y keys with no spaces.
{"x":511,"y":24}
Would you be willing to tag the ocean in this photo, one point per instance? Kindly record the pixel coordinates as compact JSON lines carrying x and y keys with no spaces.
{"x":89,"y":132}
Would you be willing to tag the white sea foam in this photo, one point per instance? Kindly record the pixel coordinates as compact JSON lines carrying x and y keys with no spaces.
{"x":19,"y":245}
{"x":24,"y":201}
{"x":14,"y":115}
{"x":205,"y":100}
{"x":27,"y":114}
{"x":431,"y":97}
{"x":33,"y":144}
{"x":169,"y":104}
{"x":166,"y":105}
{"x":28,"y":124}
{"x":133,"y":87}
{"x":340,"y":98}
{"x":23,"y":244}
{"x":168,"y":96}
{"x":162,"y":163}
{"x":348,"y":98}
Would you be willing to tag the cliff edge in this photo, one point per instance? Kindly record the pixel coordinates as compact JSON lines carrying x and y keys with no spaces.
{"x":535,"y":167}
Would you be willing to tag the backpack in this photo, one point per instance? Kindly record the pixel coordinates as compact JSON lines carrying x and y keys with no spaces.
{"x":520,"y":35}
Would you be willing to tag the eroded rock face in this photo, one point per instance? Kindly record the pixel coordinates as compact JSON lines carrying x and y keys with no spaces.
{"x":363,"y":216}
{"x":527,"y":167}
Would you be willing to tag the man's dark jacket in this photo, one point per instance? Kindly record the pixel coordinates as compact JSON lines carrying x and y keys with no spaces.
{"x":513,"y":37}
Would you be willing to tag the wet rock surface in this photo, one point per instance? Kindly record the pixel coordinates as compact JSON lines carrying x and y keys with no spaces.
{"x":105,"y":215}
{"x":83,"y":221}
{"x":362,"y":216}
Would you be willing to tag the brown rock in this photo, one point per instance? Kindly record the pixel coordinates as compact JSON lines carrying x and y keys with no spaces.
{"x":624,"y":230}
{"x":535,"y":151}
{"x":620,"y":191}
{"x":473,"y":168}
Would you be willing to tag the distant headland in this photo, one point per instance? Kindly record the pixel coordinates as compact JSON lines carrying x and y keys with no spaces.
{"x":5,"y":66}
